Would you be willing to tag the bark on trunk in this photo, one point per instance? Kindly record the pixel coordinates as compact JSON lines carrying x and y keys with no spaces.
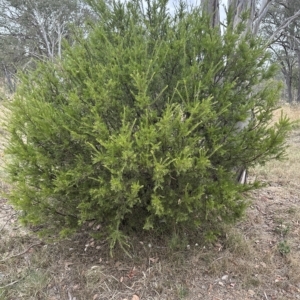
{"x":289,"y":90}
{"x":9,"y":81}
{"x":288,"y":82}
{"x":237,"y":8}
{"x":298,"y":83}
{"x":212,"y":8}
{"x":287,"y":72}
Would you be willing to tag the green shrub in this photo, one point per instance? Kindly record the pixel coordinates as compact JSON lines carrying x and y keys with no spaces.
{"x":135,"y":128}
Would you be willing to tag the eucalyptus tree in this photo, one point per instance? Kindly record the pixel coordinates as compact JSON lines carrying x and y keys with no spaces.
{"x":237,"y":12}
{"x":285,"y":46}
{"x":254,"y":12}
{"x":35,"y":29}
{"x":238,"y":9}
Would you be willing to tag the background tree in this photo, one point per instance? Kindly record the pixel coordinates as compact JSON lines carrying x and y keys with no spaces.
{"x":34,"y":29}
{"x":278,"y":21}
{"x":238,"y":8}
{"x":285,"y":45}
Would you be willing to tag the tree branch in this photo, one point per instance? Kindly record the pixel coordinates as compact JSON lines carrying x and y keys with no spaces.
{"x":21,"y":253}
{"x":282,"y":27}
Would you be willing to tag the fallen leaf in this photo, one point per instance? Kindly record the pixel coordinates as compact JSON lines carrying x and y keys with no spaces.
{"x":95,"y":297}
{"x":68,"y":264}
{"x":135,"y":297}
{"x":225,"y":277}
{"x":117,"y":264}
{"x":132,"y":273}
{"x":153,"y":260}
{"x":263,"y":265}
{"x":219,"y":246}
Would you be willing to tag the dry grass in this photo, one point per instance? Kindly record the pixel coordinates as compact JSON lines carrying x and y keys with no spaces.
{"x":257,"y":259}
{"x":292,"y":111}
{"x":286,"y":172}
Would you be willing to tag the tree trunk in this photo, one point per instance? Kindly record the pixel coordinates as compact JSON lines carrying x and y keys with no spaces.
{"x":212,"y":8}
{"x":287,"y":70}
{"x":237,"y":8}
{"x":240,"y":6}
{"x":9,"y":82}
{"x":288,"y":81}
{"x":298,"y":83}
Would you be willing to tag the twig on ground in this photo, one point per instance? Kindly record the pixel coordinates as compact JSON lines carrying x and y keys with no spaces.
{"x":19,"y":254}
{"x":107,"y":286}
{"x":12,"y":283}
{"x":7,"y":222}
{"x":70,"y":296}
{"x":217,"y":259}
{"x":6,"y":208}
{"x":4,"y":224}
{"x":266,"y":296}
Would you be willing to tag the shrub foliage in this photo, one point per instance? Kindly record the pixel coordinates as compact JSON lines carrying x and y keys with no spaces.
{"x":135,"y":128}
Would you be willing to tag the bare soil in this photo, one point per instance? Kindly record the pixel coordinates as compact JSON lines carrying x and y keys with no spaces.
{"x":259,"y":258}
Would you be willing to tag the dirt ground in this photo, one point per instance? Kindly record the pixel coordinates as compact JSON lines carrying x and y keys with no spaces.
{"x":259,"y":258}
